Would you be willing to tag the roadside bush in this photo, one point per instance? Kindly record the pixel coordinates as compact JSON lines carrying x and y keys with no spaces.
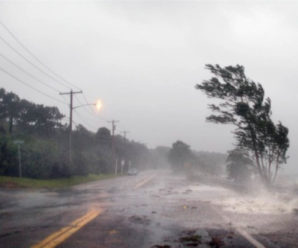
{"x":8,"y":157}
{"x":38,"y":158}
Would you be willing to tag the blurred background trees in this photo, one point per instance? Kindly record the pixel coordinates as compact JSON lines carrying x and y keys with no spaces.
{"x":180,"y":156}
{"x":239,"y":166}
{"x":44,"y":152}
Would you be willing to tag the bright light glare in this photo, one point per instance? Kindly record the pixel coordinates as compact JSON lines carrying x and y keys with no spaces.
{"x":98,"y":105}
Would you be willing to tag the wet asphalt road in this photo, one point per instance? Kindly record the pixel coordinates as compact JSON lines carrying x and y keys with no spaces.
{"x":152,"y":209}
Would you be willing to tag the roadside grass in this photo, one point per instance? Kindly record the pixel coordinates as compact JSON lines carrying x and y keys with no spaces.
{"x":16,"y":182}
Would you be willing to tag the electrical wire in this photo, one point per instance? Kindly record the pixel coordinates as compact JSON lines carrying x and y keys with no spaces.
{"x":65,"y":84}
{"x":28,"y":73}
{"x":38,"y":60}
{"x":30,"y":86}
{"x":84,"y":117}
{"x":28,"y":61}
{"x":86,"y":101}
{"x":35,"y":57}
{"x":93,"y":127}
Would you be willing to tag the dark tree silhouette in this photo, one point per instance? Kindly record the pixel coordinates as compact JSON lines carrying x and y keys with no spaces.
{"x":103,"y":136}
{"x":243,"y":104}
{"x":9,"y":108}
{"x":239,"y":166}
{"x":179,"y":154}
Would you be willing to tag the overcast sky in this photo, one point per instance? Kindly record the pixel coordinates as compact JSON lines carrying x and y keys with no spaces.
{"x":143,"y":59}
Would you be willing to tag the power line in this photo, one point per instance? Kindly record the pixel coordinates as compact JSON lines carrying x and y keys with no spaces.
{"x":32,"y":76}
{"x":88,"y":104}
{"x":39,"y":61}
{"x":90,"y":110}
{"x":86,"y":101}
{"x":81,"y":117}
{"x":89,"y":107}
{"x":30,"y":86}
{"x":93,"y":120}
{"x":28,"y":73}
{"x":21,"y":44}
{"x":78,"y":99}
{"x":34,"y":56}
{"x":81,"y":103}
{"x":30,"y":62}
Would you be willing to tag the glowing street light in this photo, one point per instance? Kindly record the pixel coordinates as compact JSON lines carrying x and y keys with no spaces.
{"x":98,"y":105}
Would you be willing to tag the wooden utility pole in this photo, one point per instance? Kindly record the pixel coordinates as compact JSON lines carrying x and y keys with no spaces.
{"x":125,"y":159}
{"x":19,"y":143}
{"x":70,"y":93}
{"x":114,"y":160}
{"x":125,"y":134}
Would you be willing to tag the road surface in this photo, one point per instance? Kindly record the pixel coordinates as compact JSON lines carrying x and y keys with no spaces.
{"x":153,"y":209}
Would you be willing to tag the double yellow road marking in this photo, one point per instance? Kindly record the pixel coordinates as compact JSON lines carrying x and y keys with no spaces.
{"x":64,"y":233}
{"x":58,"y":237}
{"x":144,"y":181}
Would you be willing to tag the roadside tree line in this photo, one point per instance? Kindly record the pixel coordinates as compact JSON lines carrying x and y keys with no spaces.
{"x":44,"y":152}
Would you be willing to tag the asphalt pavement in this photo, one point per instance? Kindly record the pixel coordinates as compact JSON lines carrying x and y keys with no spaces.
{"x":152,"y":209}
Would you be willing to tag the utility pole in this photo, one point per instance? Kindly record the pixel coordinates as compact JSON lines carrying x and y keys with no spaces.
{"x":19,"y":143}
{"x":70,"y":93}
{"x":125,"y":134}
{"x":124,"y":160}
{"x":114,"y":160}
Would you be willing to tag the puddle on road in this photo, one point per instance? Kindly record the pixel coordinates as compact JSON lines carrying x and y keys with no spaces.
{"x":144,"y":220}
{"x":261,"y":204}
{"x":203,"y":238}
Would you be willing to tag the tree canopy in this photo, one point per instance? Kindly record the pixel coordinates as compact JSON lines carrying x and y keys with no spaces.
{"x":28,"y":116}
{"x":243,"y":104}
{"x":179,"y":154}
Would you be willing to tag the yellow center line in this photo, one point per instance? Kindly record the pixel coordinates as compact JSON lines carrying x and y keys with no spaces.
{"x":64,"y":233}
{"x":143,"y":182}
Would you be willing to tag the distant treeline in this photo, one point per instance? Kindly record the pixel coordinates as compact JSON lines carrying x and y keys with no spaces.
{"x":180,"y":157}
{"x":44,"y":152}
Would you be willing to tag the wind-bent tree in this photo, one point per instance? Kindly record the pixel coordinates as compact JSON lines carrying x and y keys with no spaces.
{"x":244,"y":105}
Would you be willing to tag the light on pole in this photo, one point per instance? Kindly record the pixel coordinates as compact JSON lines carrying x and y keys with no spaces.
{"x":98,"y":105}
{"x":70,"y":121}
{"x":83,"y":105}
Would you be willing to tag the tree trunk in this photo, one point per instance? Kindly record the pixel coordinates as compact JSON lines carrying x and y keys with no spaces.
{"x":260,"y":168}
{"x":10,"y":124}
